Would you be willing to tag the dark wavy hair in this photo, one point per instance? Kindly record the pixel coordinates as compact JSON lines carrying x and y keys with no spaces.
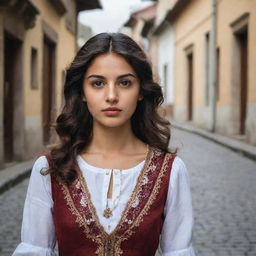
{"x":74,"y":124}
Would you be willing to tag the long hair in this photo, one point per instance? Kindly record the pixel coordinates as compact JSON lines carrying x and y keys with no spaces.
{"x":74,"y":124}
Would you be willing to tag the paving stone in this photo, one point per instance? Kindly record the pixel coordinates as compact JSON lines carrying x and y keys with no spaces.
{"x":223,"y":192}
{"x":11,"y":202}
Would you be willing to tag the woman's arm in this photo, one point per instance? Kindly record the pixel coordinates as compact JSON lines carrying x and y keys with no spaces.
{"x":178,"y":224}
{"x":37,"y":231}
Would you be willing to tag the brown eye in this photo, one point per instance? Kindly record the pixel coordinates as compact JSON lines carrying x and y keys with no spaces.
{"x":97,"y":83}
{"x":125,"y":83}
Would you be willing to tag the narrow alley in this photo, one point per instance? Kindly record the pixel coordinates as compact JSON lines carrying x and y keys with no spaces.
{"x":223,"y":192}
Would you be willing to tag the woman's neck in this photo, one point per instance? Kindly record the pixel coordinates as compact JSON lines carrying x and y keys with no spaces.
{"x":114,"y":140}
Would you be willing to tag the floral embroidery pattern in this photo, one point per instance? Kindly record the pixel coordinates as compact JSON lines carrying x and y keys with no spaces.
{"x":147,"y":187}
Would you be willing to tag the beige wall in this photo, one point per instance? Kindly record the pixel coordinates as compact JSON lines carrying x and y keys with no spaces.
{"x":229,"y":86}
{"x":226,"y":40}
{"x":191,"y":25}
{"x":190,"y":28}
{"x":28,"y":129}
{"x":65,"y":50}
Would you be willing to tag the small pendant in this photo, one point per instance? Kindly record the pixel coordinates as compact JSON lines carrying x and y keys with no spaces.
{"x":107,"y":213}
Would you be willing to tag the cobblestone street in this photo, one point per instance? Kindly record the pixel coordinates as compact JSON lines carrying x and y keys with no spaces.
{"x":11,"y":202}
{"x":223,"y":189}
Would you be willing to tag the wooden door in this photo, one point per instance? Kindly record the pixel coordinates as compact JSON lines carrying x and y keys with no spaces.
{"x":11,"y":48}
{"x":243,"y":41}
{"x":48,"y":88}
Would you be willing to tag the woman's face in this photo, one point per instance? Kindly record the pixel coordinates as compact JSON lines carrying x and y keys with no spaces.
{"x":110,"y":82}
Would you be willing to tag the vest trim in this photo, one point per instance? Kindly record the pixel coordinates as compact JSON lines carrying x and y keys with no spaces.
{"x":78,"y":200}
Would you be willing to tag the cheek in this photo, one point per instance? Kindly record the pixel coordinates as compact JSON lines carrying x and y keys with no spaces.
{"x":91,"y":101}
{"x":93,"y":105}
{"x":131,"y":102}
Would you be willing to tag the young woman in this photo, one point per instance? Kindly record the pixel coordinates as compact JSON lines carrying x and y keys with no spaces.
{"x":111,"y":186}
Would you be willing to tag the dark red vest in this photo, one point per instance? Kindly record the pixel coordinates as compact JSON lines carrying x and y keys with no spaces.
{"x":79,"y":232}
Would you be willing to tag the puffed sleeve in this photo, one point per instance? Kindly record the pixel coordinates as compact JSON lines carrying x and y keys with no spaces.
{"x":176,"y":234}
{"x":37,"y":231}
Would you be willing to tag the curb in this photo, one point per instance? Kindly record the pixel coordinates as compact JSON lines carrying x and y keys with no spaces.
{"x":14,"y":181}
{"x":11,"y":176}
{"x":243,"y":148}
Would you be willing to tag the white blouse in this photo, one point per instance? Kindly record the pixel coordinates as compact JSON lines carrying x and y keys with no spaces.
{"x":38,"y":233}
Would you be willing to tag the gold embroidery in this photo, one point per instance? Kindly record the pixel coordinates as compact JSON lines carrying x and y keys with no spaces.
{"x":154,"y":192}
{"x":150,"y":201}
{"x":75,"y":212}
{"x":137,"y":186}
{"x":110,"y":244}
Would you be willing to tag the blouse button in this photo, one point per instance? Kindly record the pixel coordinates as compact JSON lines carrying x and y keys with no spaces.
{"x":107,"y":173}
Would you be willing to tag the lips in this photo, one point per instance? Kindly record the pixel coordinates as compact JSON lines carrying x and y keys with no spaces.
{"x":111,"y":111}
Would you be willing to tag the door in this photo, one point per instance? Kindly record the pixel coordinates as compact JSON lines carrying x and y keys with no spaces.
{"x":11,"y":49}
{"x":243,"y":43}
{"x":48,"y":92}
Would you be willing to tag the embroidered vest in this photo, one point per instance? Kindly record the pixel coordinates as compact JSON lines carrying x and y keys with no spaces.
{"x":78,"y":229}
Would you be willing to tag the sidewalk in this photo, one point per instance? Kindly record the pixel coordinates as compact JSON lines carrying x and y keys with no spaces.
{"x":238,"y":146}
{"x":14,"y":174}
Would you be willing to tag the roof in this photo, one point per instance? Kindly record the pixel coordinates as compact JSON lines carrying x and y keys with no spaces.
{"x":177,"y":8}
{"x":26,"y":10}
{"x":172,"y":14}
{"x":147,"y":27}
{"x":82,"y":5}
{"x":146,"y":14}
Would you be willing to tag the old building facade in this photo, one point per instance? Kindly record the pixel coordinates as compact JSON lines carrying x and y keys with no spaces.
{"x":140,"y":24}
{"x":164,"y":35}
{"x":37,"y":43}
{"x":205,"y":60}
{"x":221,"y":97}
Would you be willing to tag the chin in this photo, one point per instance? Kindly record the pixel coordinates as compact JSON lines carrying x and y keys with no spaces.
{"x":113,"y":123}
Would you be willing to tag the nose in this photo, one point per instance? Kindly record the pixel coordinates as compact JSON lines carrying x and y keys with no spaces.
{"x":111,"y":93}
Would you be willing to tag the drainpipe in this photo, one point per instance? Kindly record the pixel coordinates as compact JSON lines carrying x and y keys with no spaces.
{"x":213,"y":65}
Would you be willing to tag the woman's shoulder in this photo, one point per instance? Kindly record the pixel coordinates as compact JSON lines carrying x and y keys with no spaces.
{"x":39,"y":189}
{"x":39,"y":165}
{"x":179,"y":172}
{"x":41,"y":161}
{"x":173,"y":157}
{"x":178,"y":165}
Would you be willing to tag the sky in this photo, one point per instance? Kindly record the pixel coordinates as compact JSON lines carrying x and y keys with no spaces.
{"x":113,"y":15}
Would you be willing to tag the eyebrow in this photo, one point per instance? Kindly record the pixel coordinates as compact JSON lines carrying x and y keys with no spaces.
{"x":102,"y":77}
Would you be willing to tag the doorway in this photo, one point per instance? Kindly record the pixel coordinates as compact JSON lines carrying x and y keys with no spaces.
{"x":242,"y":55}
{"x":12,"y":52}
{"x":239,"y":75}
{"x":190,"y":86}
{"x":48,"y":92}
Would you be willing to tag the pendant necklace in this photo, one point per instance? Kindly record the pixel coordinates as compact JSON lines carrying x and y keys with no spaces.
{"x":107,"y":213}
